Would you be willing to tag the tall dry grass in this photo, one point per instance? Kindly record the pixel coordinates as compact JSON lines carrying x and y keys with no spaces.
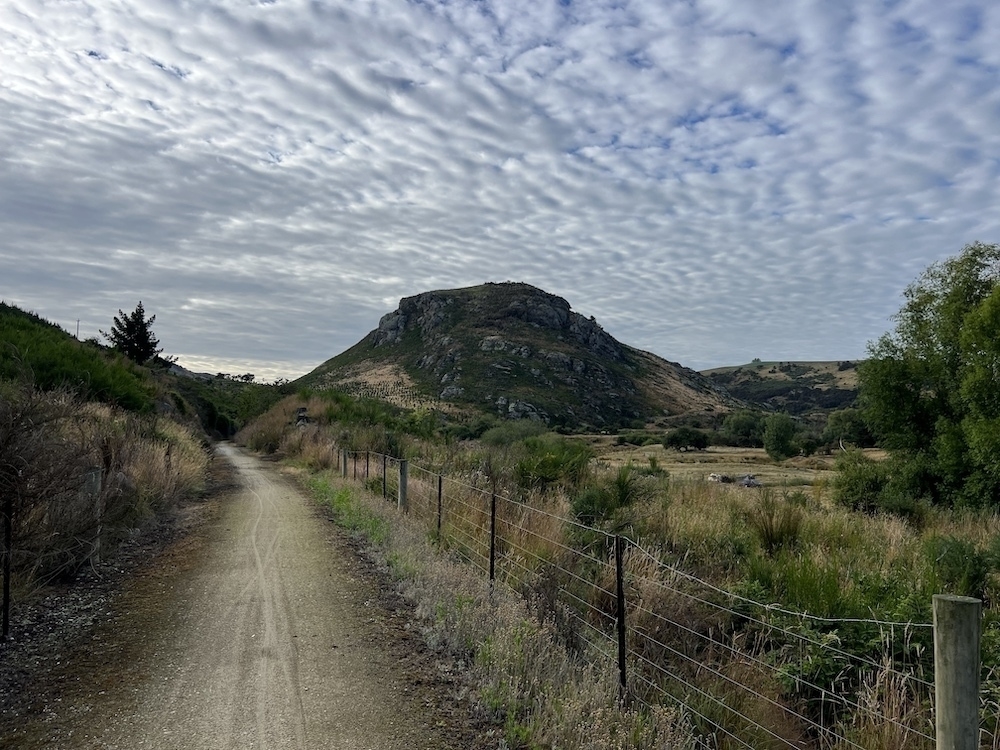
{"x":93,"y":474}
{"x":790,"y":546}
{"x":537,"y":691}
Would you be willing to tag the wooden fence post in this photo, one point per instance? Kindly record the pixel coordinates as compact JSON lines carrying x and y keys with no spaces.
{"x":8,"y":523}
{"x":957,"y":631}
{"x":385,"y":476}
{"x":91,"y":491}
{"x":403,"y":471}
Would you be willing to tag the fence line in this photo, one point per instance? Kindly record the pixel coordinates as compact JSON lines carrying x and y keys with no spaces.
{"x":604,"y":601}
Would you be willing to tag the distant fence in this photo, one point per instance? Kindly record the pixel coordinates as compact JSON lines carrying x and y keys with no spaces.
{"x":749,"y":674}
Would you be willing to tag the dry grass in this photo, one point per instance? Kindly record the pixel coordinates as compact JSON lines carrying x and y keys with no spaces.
{"x":824,"y":558}
{"x":894,"y":713}
{"x":528,"y":683}
{"x":97,"y":473}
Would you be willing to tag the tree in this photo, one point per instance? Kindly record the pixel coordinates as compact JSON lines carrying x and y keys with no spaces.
{"x":132,"y":335}
{"x":847,"y":426}
{"x":744,"y":428}
{"x":779,"y":436}
{"x":930,"y":390}
{"x":686,"y":437}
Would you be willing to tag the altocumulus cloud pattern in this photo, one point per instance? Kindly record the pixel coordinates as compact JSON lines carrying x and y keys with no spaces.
{"x":712,"y":179}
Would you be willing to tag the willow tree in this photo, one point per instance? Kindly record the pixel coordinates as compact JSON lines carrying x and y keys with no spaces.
{"x":930,"y":389}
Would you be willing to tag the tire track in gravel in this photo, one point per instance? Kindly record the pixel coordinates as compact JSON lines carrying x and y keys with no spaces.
{"x":257,"y":635}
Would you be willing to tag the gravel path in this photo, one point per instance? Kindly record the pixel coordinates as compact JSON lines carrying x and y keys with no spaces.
{"x":253,"y":632}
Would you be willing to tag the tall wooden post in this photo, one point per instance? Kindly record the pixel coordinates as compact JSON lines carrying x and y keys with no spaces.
{"x":957,"y":631}
{"x":440,"y":497}
{"x":8,"y":535}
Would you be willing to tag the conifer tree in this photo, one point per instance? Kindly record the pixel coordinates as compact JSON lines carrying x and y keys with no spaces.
{"x":132,"y":335}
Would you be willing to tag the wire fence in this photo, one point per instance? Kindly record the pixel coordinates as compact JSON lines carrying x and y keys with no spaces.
{"x":749,"y":674}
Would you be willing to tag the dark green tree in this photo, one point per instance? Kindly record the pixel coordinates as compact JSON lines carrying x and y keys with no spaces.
{"x":132,"y":335}
{"x":744,"y":428}
{"x":779,"y":436}
{"x":847,"y":427}
{"x":930,"y":390}
{"x":686,"y":437}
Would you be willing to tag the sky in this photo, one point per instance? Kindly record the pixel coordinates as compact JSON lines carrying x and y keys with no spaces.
{"x":712,"y":180}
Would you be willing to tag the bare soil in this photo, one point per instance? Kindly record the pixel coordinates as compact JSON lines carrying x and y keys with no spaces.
{"x":252,"y":623}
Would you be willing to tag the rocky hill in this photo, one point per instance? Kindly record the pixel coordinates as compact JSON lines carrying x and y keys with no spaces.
{"x":515,"y":351}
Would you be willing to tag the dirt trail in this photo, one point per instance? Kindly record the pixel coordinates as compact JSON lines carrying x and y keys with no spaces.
{"x":254,"y":633}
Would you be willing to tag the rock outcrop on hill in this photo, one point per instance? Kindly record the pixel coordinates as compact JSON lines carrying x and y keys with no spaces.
{"x":519,"y":352}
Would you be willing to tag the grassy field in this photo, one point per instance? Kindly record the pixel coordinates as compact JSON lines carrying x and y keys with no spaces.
{"x":690,"y":465}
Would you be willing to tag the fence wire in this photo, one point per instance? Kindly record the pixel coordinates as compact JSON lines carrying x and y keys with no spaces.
{"x":750,"y":674}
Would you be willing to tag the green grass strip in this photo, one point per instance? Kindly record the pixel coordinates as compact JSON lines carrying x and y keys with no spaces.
{"x":348,"y":511}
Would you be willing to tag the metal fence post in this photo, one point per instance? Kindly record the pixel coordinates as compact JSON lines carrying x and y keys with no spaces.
{"x":403,"y":471}
{"x":354,"y":474}
{"x":385,"y":476}
{"x":620,"y":615}
{"x":440,"y":483}
{"x":493,"y":536}
{"x":343,"y":463}
{"x":367,"y":456}
{"x":957,"y":631}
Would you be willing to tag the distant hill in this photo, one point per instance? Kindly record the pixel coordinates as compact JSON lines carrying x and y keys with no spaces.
{"x":795,"y":387}
{"x":515,"y":351}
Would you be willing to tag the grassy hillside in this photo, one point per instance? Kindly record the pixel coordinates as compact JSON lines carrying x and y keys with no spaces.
{"x":33,"y":348}
{"x":794,"y":387}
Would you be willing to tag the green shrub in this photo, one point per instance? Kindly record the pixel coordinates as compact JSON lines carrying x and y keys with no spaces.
{"x":891,"y":486}
{"x":859,"y":482}
{"x":512,"y":432}
{"x":957,"y":566}
{"x":684,"y":438}
{"x":550,"y":459}
{"x":598,"y":503}
{"x":779,"y":436}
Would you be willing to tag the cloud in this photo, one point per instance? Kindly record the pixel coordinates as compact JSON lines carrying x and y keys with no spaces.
{"x":713,"y":180}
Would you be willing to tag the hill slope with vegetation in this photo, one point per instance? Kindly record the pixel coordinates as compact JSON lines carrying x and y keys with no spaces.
{"x":793,"y":387}
{"x":33,"y":348}
{"x":514,"y":351}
